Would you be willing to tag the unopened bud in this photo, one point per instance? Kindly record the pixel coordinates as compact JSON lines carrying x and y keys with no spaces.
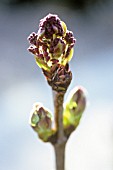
{"x":75,"y":106}
{"x":40,"y":121}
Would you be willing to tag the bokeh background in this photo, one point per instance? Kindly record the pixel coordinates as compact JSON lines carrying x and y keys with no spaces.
{"x":22,"y":83}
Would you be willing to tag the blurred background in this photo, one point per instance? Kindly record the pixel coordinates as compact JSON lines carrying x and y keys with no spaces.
{"x":22,"y":83}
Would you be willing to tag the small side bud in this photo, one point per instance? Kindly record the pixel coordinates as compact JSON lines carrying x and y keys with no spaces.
{"x":41,"y":122}
{"x":74,"y":107}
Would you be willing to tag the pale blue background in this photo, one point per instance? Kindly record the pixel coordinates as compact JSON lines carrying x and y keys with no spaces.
{"x":22,"y":84}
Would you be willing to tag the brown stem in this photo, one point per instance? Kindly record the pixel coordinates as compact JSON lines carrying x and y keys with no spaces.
{"x":59,"y":146}
{"x":60,"y":156}
{"x":58,"y":109}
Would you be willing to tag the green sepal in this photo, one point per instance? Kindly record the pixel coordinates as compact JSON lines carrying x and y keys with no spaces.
{"x":42,"y":64}
{"x":70,"y":118}
{"x":44,"y":135}
{"x":64,"y":28}
{"x":34,"y":119}
{"x":68,"y":58}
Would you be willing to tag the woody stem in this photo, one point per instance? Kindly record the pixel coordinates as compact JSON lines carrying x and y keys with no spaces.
{"x":59,"y":146}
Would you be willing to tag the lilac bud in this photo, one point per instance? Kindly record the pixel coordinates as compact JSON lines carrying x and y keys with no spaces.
{"x":75,"y":106}
{"x":52,"y":41}
{"x":40,"y":121}
{"x":79,"y":96}
{"x":32,"y":38}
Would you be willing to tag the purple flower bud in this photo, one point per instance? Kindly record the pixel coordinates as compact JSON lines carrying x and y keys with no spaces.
{"x":51,"y":24}
{"x":52,"y":41}
{"x":32,"y":38}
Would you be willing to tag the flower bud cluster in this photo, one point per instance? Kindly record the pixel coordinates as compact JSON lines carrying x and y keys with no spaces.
{"x":52,"y":44}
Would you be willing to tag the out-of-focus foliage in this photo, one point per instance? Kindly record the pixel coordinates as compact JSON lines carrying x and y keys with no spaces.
{"x":70,"y":3}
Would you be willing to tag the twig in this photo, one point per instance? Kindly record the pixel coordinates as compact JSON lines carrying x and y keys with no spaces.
{"x":59,"y":146}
